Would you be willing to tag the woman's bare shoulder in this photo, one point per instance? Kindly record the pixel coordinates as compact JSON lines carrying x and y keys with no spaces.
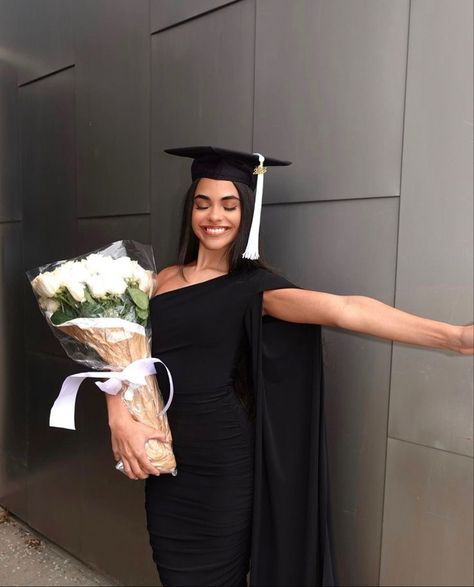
{"x":168,"y":271}
{"x":162,"y":276}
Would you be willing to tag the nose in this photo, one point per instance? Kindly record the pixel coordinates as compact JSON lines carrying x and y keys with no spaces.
{"x":215,"y":214}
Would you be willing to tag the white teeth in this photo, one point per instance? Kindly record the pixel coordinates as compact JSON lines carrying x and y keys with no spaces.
{"x":215,"y":230}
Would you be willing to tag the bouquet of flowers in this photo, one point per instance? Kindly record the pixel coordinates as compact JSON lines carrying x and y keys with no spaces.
{"x":98,"y":307}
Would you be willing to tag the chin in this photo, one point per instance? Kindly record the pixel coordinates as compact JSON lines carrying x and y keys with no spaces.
{"x":215,"y":246}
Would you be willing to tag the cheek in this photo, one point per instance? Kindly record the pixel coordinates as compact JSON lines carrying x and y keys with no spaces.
{"x":237,"y":218}
{"x":194,"y":223}
{"x":195,"y":217}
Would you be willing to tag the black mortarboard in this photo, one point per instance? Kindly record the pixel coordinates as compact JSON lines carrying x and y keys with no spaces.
{"x":218,"y":163}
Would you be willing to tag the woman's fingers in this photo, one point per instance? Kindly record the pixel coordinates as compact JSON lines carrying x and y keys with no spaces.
{"x":146,"y":465}
{"x":136,"y":468}
{"x":128,"y":470}
{"x":140,"y":465}
{"x":128,"y":443}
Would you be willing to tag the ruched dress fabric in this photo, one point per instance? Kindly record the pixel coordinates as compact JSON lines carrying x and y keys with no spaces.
{"x":201,"y":522}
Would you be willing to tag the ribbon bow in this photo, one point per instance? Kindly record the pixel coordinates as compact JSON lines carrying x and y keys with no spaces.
{"x":62,"y":412}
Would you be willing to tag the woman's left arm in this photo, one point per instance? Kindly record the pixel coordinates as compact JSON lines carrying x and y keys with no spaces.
{"x":367,"y":315}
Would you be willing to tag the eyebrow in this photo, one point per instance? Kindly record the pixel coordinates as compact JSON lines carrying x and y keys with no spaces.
{"x":223,"y":197}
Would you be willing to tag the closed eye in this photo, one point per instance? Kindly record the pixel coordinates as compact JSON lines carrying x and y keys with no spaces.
{"x":206,"y":207}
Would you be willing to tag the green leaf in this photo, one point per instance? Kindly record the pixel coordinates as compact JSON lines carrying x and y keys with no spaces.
{"x":70,"y":300}
{"x":61,"y":316}
{"x":88,"y":295}
{"x":65,"y":297}
{"x":143,"y":314}
{"x":130,"y":315}
{"x":90,"y":309}
{"x":140,"y":299}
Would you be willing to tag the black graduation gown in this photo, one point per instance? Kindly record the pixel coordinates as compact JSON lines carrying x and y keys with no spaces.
{"x":292,"y":537}
{"x":220,"y":511}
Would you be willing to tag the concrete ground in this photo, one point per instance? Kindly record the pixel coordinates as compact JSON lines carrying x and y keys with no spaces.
{"x":29,"y":559}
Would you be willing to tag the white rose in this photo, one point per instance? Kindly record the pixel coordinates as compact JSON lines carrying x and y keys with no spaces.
{"x":124,"y":267}
{"x":76,"y":289}
{"x":115,"y":284}
{"x":137,"y":273}
{"x":98,"y":286}
{"x":50,"y":306}
{"x":145,"y":283}
{"x":71,"y":271}
{"x":97,"y":264}
{"x":46,"y":284}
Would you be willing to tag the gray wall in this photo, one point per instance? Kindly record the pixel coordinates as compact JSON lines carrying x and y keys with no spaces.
{"x":372,"y":100}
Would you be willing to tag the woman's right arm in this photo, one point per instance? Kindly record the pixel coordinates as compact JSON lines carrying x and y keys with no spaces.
{"x":129,"y":438}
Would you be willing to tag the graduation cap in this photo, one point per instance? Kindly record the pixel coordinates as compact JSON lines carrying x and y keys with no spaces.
{"x":248,"y":168}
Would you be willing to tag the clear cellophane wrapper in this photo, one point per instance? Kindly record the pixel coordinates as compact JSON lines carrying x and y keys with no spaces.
{"x":111,"y":343}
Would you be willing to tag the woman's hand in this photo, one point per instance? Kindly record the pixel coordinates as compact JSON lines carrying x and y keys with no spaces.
{"x":128,"y":439}
{"x":128,"y":444}
{"x":466,"y":339}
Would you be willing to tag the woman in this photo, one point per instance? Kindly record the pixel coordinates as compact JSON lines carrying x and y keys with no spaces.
{"x":247,"y":487}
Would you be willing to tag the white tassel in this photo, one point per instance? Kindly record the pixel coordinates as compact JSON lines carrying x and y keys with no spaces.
{"x":251,"y":251}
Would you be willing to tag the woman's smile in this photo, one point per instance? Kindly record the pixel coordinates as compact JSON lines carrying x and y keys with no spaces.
{"x":215,"y":230}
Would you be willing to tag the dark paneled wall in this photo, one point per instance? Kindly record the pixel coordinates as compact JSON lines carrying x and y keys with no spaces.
{"x":92,"y":91}
{"x":204,"y":96}
{"x":112,"y":91}
{"x":333,"y":73}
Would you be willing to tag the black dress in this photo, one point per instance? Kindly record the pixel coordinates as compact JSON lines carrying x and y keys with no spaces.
{"x":246,"y":421}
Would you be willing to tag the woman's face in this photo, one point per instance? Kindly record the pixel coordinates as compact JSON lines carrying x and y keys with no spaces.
{"x":216,"y":206}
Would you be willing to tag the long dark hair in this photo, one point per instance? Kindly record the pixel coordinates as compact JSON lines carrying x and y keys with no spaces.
{"x":189,"y":243}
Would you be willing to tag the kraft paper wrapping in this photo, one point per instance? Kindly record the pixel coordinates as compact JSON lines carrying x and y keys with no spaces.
{"x":118,"y":347}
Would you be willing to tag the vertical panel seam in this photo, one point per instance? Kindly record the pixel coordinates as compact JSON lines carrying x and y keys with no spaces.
{"x":395,"y":290}
{"x":150,"y":107}
{"x":254,"y":71}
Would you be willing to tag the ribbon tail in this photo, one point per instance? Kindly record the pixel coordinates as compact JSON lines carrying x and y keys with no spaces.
{"x":171,"y":391}
{"x":62,"y":412}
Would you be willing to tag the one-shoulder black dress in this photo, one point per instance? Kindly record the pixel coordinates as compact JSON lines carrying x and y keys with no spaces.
{"x":251,"y":490}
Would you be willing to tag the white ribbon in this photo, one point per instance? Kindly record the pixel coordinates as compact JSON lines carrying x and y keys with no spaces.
{"x":62,"y":412}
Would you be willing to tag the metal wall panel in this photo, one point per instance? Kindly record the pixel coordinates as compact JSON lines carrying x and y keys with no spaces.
{"x":202,"y":87}
{"x":44,"y":37}
{"x":347,"y":248}
{"x":113,"y":506}
{"x":97,"y":232}
{"x":428,"y":519}
{"x":13,"y":405}
{"x":13,"y":430}
{"x":112,"y":104}
{"x":432,"y":391}
{"x":10,"y":201}
{"x":55,"y":505}
{"x":48,"y":179}
{"x":165,"y":13}
{"x":329,"y":89}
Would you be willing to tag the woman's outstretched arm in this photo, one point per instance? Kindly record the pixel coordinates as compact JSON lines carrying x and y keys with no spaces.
{"x":367,"y":315}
